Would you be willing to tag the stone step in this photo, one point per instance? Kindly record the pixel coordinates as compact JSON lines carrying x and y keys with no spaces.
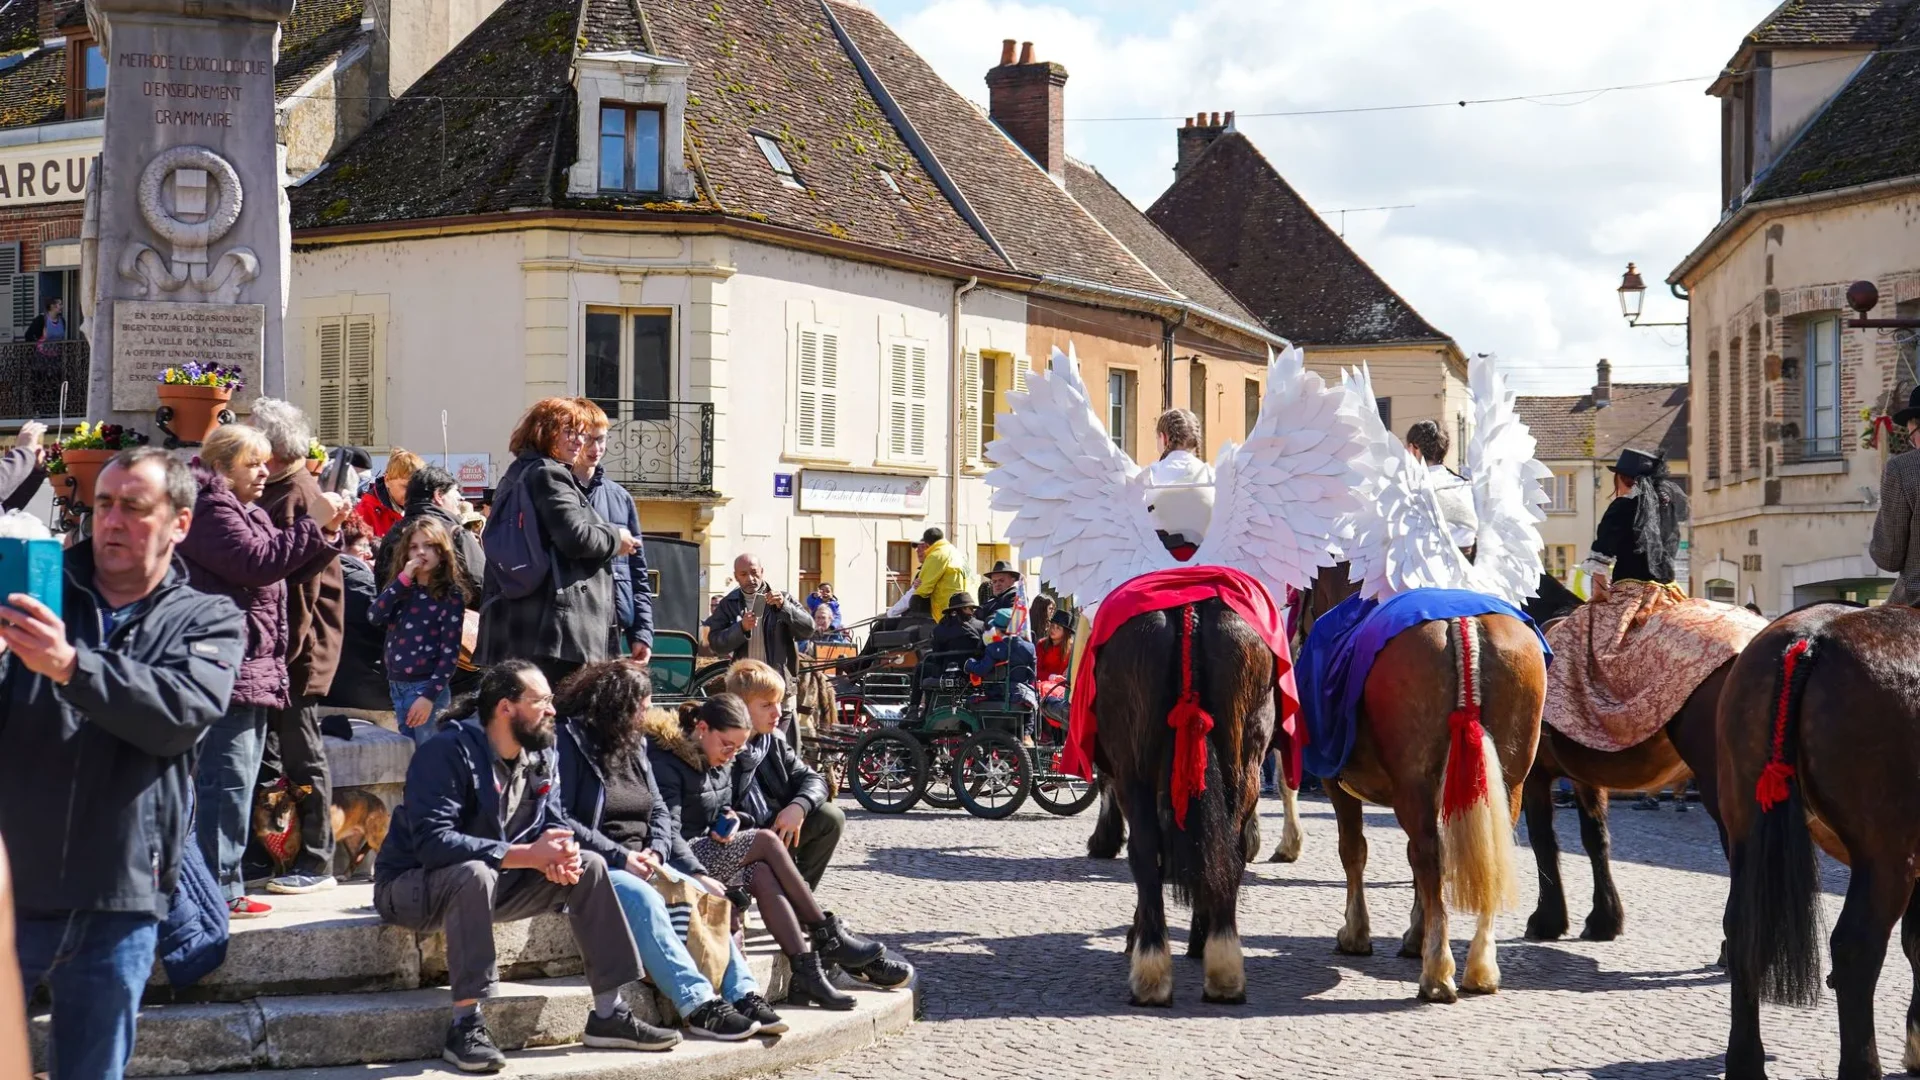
{"x":334,"y":942}
{"x":815,"y":1035}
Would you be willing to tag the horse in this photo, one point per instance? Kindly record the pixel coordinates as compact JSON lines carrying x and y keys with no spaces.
{"x":1404,"y":757}
{"x":1819,"y":741}
{"x":1140,"y":678}
{"x":1685,"y":744}
{"x":1110,"y":831}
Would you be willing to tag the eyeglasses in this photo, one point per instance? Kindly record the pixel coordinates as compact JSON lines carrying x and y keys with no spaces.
{"x":595,"y":440}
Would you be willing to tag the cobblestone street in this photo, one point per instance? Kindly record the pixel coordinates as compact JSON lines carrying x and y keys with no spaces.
{"x":1018,"y":935}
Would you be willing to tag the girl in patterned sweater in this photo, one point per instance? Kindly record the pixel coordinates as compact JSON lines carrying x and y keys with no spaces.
{"x":422,"y":609}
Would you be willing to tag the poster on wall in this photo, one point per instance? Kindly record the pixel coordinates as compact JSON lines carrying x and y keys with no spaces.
{"x":829,"y":491}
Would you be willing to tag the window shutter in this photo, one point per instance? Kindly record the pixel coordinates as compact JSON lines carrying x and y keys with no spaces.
{"x":359,"y":390}
{"x":917,"y":401}
{"x":829,"y":390}
{"x":970,"y":407}
{"x":330,"y":377}
{"x":10,"y":276}
{"x":26,"y":298}
{"x":1020,"y":373}
{"x":899,"y":401}
{"x":817,"y":419}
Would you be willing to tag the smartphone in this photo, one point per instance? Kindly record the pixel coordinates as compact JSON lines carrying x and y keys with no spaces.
{"x":34,"y":567}
{"x":724,"y":827}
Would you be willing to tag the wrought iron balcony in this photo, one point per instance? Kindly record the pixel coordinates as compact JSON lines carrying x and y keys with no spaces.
{"x":660,"y":448}
{"x":30,"y":376}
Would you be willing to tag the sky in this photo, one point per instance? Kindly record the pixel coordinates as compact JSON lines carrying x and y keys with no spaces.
{"x":1523,"y":215}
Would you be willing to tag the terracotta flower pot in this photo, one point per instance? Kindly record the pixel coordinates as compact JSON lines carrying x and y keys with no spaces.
{"x":196,"y":410}
{"x":314,"y":465}
{"x":84,"y":467}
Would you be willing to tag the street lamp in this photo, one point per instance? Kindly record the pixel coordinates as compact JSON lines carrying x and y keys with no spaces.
{"x":1633,"y":292}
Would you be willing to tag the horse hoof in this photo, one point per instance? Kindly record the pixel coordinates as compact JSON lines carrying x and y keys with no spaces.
{"x":1480,"y":982}
{"x":1409,"y":949}
{"x":1721,"y":963}
{"x":1164,"y":1003}
{"x":1151,"y":977}
{"x":1100,"y":850}
{"x":1353,"y":944}
{"x":1597,"y":930}
{"x":1285,"y":853}
{"x":1225,"y":999}
{"x":1542,"y":927}
{"x":1439,"y":993}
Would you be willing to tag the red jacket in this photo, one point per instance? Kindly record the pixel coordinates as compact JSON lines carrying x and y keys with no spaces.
{"x":1053,"y":658}
{"x":374,"y":509}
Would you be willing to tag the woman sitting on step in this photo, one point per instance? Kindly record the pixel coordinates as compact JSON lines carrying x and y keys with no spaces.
{"x":608,"y":788}
{"x":692,"y":756}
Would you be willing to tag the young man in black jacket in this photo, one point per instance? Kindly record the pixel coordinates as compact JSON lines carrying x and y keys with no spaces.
{"x":100,"y":711}
{"x":481,"y":837}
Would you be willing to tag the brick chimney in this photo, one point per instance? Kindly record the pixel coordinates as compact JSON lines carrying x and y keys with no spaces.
{"x":1027,"y":98}
{"x":1195,"y":136}
{"x":1603,"y":386}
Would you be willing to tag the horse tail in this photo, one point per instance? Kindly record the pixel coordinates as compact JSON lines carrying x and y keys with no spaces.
{"x":1476,"y":834}
{"x":1204,"y":856}
{"x":1773,"y":913}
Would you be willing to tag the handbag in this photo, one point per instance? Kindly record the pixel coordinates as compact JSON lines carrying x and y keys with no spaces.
{"x":703,"y":921}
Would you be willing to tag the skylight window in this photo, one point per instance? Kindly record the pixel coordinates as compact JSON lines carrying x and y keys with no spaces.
{"x":886,"y":177}
{"x":777,"y":160}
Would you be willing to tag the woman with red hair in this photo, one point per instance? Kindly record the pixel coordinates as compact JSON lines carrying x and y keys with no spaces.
{"x":561,"y":623}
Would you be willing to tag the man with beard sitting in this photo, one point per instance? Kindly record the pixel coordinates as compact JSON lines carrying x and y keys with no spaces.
{"x":482,"y":837}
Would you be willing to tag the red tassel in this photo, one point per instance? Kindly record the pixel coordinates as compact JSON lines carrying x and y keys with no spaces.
{"x":1466,"y":764}
{"x":1190,"y":724}
{"x":1772,"y":788}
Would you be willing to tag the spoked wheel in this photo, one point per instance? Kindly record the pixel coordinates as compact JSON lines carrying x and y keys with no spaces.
{"x":991,"y":775}
{"x":1059,"y":792}
{"x":887,"y":771}
{"x":940,"y":752}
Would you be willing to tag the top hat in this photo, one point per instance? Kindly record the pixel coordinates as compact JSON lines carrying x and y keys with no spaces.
{"x":1634,"y":464}
{"x":1911,"y":412}
{"x":960,"y":601}
{"x":1002,"y":566}
{"x":1063,"y":619}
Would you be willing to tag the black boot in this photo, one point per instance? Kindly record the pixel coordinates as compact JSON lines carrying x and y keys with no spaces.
{"x":838,"y":945}
{"x":811,"y":987}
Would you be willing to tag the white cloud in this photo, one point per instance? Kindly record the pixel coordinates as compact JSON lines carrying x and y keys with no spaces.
{"x":1527,"y":213}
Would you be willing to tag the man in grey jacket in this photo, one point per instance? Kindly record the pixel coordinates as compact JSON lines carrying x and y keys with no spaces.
{"x":1896,"y":532}
{"x":755,"y":620}
{"x":103,"y":706}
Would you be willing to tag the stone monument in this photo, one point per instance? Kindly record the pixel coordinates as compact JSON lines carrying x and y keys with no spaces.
{"x":185,"y":245}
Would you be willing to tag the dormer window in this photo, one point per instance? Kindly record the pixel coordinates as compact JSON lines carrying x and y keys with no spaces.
{"x":630,"y":138}
{"x":777,"y":160}
{"x":86,"y":79}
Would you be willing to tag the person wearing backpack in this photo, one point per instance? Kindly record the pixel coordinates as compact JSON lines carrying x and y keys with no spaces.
{"x":548,"y":595}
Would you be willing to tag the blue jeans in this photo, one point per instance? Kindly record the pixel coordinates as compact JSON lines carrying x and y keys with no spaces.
{"x":405,"y":694}
{"x":224,"y":780}
{"x":665,"y":956}
{"x":95,"y":963}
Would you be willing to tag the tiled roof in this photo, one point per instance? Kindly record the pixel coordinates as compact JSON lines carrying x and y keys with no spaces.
{"x":1155,"y":248}
{"x":34,"y":91}
{"x":1869,"y":131}
{"x":316,"y":32}
{"x":1830,"y":22}
{"x":1644,"y":416}
{"x":1247,"y":226}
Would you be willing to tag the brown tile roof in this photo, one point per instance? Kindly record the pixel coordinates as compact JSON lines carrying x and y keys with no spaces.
{"x":1869,"y":131}
{"x":316,"y":32}
{"x":1830,"y":23}
{"x":1154,"y":248}
{"x":34,"y":91}
{"x":1234,"y":213}
{"x":1645,"y":416}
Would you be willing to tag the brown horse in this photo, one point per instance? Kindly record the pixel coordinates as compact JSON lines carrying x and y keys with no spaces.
{"x":1403,"y":758}
{"x":1138,"y":672}
{"x":1685,"y":744}
{"x":1819,"y":739}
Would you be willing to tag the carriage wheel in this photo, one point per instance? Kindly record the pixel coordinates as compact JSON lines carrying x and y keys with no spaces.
{"x":887,"y":771}
{"x":1059,"y":792}
{"x":990,"y":774}
{"x":940,"y":753}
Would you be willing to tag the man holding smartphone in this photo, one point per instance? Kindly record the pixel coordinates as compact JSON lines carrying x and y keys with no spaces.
{"x":756,"y":621}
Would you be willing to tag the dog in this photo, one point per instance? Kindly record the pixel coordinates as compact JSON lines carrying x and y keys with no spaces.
{"x":360,"y":823}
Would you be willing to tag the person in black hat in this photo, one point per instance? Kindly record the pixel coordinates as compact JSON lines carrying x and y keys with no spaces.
{"x":958,"y":638}
{"x":1000,"y":591}
{"x":1639,"y":535}
{"x":1896,"y":531}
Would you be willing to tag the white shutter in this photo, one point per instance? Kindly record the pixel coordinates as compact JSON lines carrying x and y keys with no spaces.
{"x":829,"y":389}
{"x":899,"y":393}
{"x":917,"y":401}
{"x":1020,"y":373}
{"x":970,"y":408}
{"x":359,"y":390}
{"x":817,"y":402}
{"x":330,"y":378}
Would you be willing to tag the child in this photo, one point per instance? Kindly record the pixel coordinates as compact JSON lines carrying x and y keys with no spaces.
{"x":422,"y":610}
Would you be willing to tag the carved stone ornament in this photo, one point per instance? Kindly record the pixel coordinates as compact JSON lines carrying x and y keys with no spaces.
{"x":196,"y":220}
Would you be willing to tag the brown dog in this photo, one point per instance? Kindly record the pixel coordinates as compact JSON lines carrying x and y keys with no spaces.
{"x":359,"y":824}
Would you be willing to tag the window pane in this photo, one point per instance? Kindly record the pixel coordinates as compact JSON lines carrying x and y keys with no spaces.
{"x":613,"y":152}
{"x":989,"y":397}
{"x":774,"y":157}
{"x":95,"y":83}
{"x":613,"y":120}
{"x":652,"y":365}
{"x":646,"y":150}
{"x":603,"y":361}
{"x":1117,"y":406}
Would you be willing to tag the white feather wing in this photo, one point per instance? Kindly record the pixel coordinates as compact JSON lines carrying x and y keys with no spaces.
{"x":1074,"y":495}
{"x":1400,"y":537}
{"x":1284,"y":499}
{"x":1507,"y":492}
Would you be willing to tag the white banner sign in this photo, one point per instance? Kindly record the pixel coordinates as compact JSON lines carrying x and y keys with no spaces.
{"x":825,"y":491}
{"x":49,"y":173}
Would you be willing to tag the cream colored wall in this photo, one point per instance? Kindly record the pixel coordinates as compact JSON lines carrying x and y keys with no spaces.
{"x":1778,"y":269}
{"x":1803,"y":81}
{"x":332,"y":108}
{"x":1418,"y":379}
{"x":421,"y":31}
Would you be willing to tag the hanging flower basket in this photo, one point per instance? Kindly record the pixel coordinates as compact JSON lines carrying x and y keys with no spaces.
{"x":81,"y":472}
{"x":75,"y":462}
{"x":193,"y":401}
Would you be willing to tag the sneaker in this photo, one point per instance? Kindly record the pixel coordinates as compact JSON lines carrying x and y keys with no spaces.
{"x":242,"y":907}
{"x":1646,"y":802}
{"x":885,"y":973}
{"x":290,"y":884}
{"x":755,"y":1008}
{"x":719,"y":1020}
{"x":621,"y":1030}
{"x":470,"y":1047}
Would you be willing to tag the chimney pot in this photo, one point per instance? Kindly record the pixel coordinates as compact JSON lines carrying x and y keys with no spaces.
{"x":1027,"y":100}
{"x":1189,"y":121}
{"x":1603,"y":388}
{"x":1006,"y":51}
{"x":1026,"y":52}
{"x":1229,"y":117}
{"x":1214,"y":120}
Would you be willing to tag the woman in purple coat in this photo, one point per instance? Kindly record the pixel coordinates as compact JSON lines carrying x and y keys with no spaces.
{"x":233,"y":549}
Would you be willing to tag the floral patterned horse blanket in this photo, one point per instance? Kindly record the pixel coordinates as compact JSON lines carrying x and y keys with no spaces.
{"x":1625,"y":666}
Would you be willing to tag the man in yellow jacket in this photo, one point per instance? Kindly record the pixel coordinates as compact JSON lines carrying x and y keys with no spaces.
{"x":941,"y":574}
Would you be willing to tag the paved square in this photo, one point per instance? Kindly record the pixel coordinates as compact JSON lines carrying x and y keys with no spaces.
{"x":1017,"y":935}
